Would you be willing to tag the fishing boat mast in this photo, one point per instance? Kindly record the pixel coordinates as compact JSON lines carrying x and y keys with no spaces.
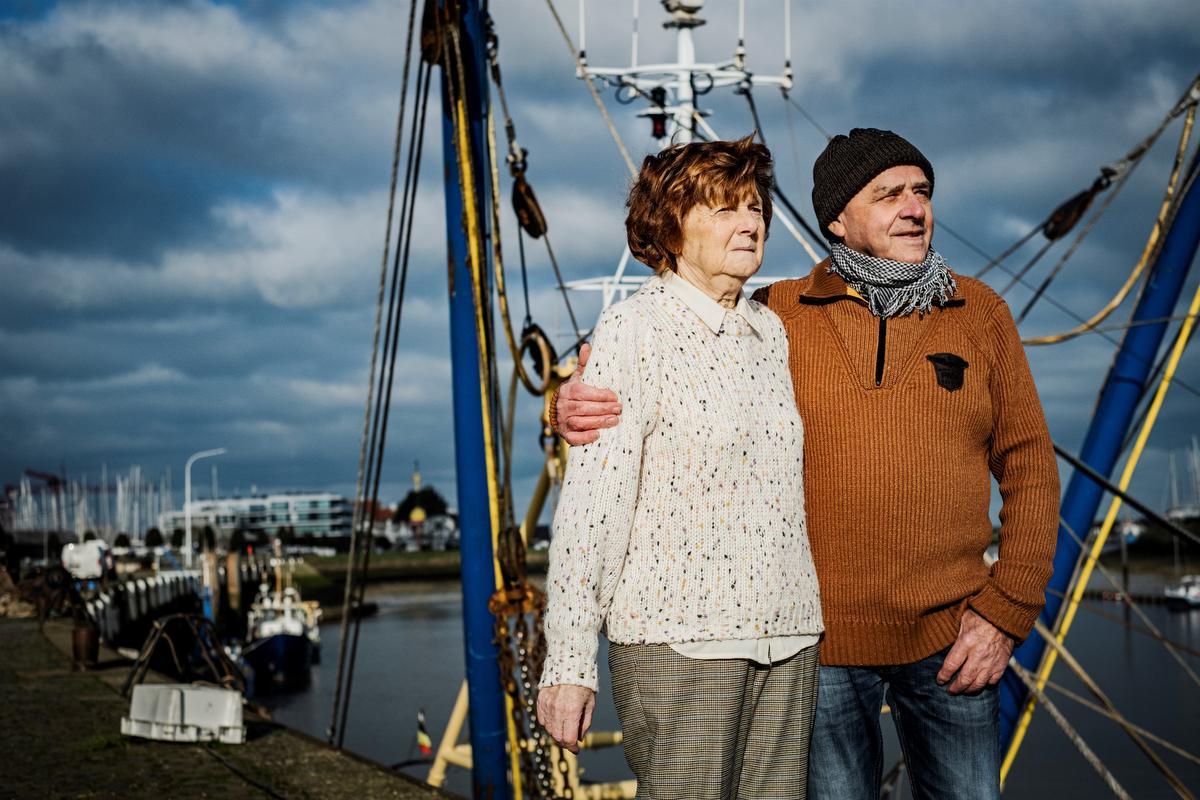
{"x":464,"y":111}
{"x":1123,"y":389}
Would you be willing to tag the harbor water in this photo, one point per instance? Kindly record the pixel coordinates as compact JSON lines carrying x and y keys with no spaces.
{"x":411,"y":657}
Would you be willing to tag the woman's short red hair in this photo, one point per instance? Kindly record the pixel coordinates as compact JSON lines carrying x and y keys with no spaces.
{"x":683,"y":175}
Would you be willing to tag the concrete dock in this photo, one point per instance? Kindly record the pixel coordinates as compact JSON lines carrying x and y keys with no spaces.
{"x":60,"y":737}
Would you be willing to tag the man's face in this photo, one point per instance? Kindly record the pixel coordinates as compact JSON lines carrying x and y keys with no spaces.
{"x":892,"y":217}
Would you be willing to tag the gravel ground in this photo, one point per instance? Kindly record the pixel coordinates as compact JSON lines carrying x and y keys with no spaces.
{"x":60,"y":738}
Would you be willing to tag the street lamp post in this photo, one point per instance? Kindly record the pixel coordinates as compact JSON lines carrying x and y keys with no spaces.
{"x":187,"y":496}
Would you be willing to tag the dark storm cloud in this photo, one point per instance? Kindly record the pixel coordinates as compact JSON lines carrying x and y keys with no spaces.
{"x":124,"y":124}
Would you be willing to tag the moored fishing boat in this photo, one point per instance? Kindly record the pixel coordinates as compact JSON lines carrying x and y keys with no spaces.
{"x":1185,"y":594}
{"x":283,"y":638}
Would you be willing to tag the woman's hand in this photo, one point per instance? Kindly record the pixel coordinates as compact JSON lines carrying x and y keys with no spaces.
{"x":566,"y":713}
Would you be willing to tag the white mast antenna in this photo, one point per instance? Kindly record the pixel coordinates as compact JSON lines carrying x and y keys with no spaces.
{"x":637,"y":13}
{"x":671,"y":89}
{"x":787,"y":41}
{"x":583,"y":32}
{"x":739,"y":54}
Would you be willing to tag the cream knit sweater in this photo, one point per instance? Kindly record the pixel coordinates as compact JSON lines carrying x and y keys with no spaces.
{"x":686,"y":521}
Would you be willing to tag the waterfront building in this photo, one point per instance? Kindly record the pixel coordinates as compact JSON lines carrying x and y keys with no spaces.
{"x":308,"y":515}
{"x":421,"y":521}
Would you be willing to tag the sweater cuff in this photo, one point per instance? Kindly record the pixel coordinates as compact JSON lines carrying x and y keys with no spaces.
{"x":569,"y":669}
{"x":1013,"y":618}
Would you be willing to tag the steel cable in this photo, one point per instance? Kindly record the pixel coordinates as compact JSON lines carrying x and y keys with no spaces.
{"x":1148,"y":251}
{"x":356,"y":520}
{"x":368,"y":493}
{"x":1114,"y":714}
{"x":1084,"y":750}
{"x":1088,"y":227}
{"x":1137,"y":609}
{"x":582,"y":72}
{"x":1151,"y":633}
{"x":401,"y":260}
{"x":818,"y":238}
{"x":1161,"y":742}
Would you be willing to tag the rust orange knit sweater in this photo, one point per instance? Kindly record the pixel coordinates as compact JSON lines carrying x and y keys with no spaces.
{"x":906,"y":421}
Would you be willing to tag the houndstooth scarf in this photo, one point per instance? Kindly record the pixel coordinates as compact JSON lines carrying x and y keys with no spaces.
{"x":894,"y":288}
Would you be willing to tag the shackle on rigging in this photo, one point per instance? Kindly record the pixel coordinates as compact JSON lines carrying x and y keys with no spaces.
{"x":1067,"y":215}
{"x":525,"y":204}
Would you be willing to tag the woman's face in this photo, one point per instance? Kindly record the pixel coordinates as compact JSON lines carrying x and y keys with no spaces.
{"x":726,"y":240}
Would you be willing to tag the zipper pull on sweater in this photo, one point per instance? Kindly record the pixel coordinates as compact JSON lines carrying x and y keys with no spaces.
{"x":880,"y":352}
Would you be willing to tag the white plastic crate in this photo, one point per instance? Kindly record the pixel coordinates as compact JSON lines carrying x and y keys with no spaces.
{"x":179,"y":712}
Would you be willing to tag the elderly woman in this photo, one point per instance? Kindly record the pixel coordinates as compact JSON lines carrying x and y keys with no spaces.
{"x":681,"y":531}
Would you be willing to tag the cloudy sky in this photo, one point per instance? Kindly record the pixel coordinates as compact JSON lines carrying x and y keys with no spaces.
{"x":194,"y":193}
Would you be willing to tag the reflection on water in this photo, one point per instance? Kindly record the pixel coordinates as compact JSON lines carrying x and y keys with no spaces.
{"x":410,"y":656}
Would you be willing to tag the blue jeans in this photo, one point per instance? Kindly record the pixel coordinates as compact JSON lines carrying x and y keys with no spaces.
{"x":951,"y":743}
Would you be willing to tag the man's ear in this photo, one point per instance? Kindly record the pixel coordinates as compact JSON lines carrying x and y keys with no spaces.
{"x":837,"y":229}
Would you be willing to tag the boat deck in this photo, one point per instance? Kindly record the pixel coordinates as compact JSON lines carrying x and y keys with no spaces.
{"x":60,"y":729}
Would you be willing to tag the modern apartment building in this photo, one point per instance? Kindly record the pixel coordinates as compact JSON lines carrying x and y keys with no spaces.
{"x":315,"y":514}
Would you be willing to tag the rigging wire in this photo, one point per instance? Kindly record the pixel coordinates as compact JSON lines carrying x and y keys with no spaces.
{"x":1150,"y":249}
{"x":582,"y":72}
{"x":1065,"y":619}
{"x":1161,"y":742}
{"x":1023,"y":271}
{"x":1088,"y":754}
{"x":812,"y":120}
{"x":1049,"y":298}
{"x":359,"y":511}
{"x":358,"y":561}
{"x":1151,"y":633}
{"x":1114,"y":714}
{"x":524,"y":276}
{"x":1124,"y":326}
{"x":530,"y":220}
{"x":746,"y":88}
{"x":787,"y":115}
{"x":999,"y":260}
{"x":1122,"y":182}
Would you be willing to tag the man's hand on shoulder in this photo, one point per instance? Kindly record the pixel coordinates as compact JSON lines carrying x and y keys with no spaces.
{"x":978,"y":658}
{"x":583,"y":410}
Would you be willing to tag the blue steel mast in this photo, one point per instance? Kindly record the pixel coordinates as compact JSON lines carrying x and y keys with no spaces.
{"x":1115,"y":410}
{"x":464,"y":109}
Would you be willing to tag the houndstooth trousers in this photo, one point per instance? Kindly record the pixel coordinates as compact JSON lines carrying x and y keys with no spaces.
{"x":724,"y":729}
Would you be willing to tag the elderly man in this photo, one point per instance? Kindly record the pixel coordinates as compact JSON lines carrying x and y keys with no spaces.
{"x":914,"y":391}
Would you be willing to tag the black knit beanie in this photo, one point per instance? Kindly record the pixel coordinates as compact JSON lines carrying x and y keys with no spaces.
{"x":849,"y":163}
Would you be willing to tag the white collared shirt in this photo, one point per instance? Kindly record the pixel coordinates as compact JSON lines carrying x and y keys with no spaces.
{"x":710,"y":312}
